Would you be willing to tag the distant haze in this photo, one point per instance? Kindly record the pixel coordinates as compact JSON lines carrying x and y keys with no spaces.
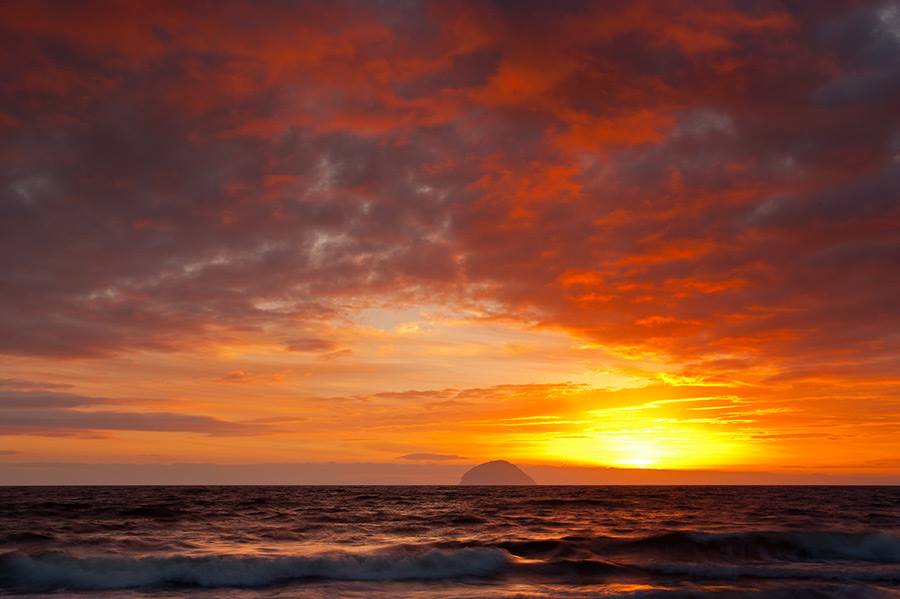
{"x":36,"y":473}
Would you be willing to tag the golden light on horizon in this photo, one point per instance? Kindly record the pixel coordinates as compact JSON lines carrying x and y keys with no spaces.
{"x":660,"y":446}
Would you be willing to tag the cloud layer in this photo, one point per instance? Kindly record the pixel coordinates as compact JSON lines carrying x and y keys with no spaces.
{"x":720,"y":182}
{"x":51,"y":413}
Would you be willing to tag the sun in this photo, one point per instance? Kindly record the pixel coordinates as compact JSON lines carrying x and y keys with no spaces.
{"x":664,"y":447}
{"x":637,"y":453}
{"x":633,"y":449}
{"x":639,"y":462}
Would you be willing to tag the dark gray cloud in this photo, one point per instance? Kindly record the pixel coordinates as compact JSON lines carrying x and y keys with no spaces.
{"x":431,"y":457}
{"x":26,"y":385}
{"x":60,"y":414}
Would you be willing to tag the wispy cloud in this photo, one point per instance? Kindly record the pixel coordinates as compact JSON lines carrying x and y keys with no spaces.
{"x":59,"y":414}
{"x":431,"y":457}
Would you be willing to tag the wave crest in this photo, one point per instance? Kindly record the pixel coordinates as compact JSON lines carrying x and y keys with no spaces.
{"x":52,"y":571}
{"x":787,"y":546}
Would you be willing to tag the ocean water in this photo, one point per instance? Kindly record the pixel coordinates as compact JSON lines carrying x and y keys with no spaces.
{"x":250,"y":542}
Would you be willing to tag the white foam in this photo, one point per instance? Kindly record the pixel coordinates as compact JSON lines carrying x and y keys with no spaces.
{"x":60,"y":571}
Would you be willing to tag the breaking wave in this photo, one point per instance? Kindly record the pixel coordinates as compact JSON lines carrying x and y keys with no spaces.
{"x":52,"y":571}
{"x":767,"y":555}
{"x":788,"y":546}
{"x":714,"y":547}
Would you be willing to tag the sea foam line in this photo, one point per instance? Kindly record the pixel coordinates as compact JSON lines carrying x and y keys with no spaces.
{"x":31,"y":573}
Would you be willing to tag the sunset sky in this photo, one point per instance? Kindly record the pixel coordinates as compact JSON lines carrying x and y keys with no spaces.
{"x":658,"y":235}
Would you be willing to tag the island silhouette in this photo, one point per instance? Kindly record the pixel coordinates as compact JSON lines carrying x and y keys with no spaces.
{"x":497,"y":472}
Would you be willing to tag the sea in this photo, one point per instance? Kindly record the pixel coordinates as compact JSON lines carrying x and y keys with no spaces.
{"x":541,"y":541}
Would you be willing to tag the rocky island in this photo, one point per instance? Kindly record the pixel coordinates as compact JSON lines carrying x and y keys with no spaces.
{"x":497,"y":472}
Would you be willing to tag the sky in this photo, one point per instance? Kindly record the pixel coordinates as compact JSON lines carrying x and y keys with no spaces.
{"x":638,"y":235}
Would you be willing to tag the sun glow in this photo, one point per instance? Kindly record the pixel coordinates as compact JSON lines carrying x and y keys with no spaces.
{"x":638,"y":453}
{"x":664,"y":446}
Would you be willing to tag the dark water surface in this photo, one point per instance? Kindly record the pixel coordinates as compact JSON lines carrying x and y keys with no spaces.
{"x":248,"y":542}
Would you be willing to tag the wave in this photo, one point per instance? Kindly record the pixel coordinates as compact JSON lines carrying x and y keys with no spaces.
{"x":789,"y":592}
{"x":581,"y":570}
{"x":720,"y":547}
{"x":53,"y":571}
{"x":781,"y":545}
{"x":822,"y":556}
{"x":826,"y":572}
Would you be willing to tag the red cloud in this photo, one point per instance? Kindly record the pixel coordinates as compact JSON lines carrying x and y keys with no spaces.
{"x":717,"y":180}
